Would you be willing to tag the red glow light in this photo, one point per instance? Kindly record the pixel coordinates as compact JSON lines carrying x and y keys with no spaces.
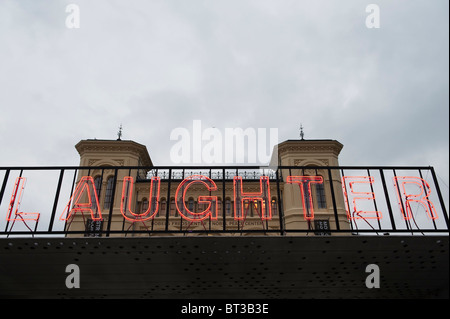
{"x":127,"y":196}
{"x":180,"y":196}
{"x":85,"y":186}
{"x":412,"y":193}
{"x":401,"y":182}
{"x":355,"y":213}
{"x":302,"y":181}
{"x":262,"y":197}
{"x":14,"y":203}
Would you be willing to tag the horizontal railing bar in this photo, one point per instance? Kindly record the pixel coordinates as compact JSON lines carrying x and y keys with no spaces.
{"x":352,"y":231}
{"x":223,"y":174}
{"x":211,"y":167}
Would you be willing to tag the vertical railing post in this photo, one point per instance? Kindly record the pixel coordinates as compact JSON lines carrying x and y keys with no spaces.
{"x":333,"y":199}
{"x":429,"y":203}
{"x":75,"y":172}
{"x":408,"y":226}
{"x":224,"y":213}
{"x":55,"y":202}
{"x":5,"y":180}
{"x":111,"y":207}
{"x":168,"y":201}
{"x":2,"y":191}
{"x":441,"y":200}
{"x":374,"y":201}
{"x":388,"y":201}
{"x":280,"y":206}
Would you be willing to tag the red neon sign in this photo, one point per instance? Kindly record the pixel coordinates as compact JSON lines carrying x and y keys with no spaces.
{"x":353,"y":212}
{"x":305,"y":181}
{"x":262,"y":197}
{"x":127,"y":196}
{"x":409,"y":189}
{"x":85,"y":187}
{"x":421,"y":198}
{"x":14,"y":203}
{"x":180,"y":196}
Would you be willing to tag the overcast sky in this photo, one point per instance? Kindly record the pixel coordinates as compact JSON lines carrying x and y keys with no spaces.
{"x":153,"y":66}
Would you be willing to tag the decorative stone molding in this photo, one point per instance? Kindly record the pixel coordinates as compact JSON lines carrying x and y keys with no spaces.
{"x":301,"y":162}
{"x":91,"y":162}
{"x":310,"y":146}
{"x":112,"y":147}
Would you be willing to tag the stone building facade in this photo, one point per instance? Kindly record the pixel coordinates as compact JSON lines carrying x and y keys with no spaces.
{"x":135,"y":198}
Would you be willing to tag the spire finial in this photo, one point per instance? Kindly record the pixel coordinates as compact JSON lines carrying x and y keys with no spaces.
{"x":301,"y":132}
{"x":119,"y":134}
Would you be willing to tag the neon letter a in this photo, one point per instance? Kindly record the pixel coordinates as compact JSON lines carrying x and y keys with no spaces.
{"x":85,"y":200}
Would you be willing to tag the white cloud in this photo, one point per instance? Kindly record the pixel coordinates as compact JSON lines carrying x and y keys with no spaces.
{"x":157,"y":65}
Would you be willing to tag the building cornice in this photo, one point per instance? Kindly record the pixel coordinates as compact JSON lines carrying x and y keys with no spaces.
{"x":318,"y":146}
{"x":115,"y":146}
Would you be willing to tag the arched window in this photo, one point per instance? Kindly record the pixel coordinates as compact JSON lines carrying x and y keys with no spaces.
{"x":228,"y":207}
{"x":173,"y":210}
{"x":144,"y":205}
{"x":108,"y":194}
{"x":253,"y":208}
{"x":98,"y":184}
{"x":191,"y":204}
{"x":162,"y":208}
{"x":274,"y":207}
{"x":248,"y":211}
{"x":219,"y":206}
{"x":320,"y":194}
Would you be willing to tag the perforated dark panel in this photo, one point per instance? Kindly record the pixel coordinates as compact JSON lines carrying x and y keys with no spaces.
{"x":226,"y":267}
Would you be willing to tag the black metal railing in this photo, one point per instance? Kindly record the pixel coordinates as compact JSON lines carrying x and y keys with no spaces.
{"x":320,"y":200}
{"x":216,"y":174}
